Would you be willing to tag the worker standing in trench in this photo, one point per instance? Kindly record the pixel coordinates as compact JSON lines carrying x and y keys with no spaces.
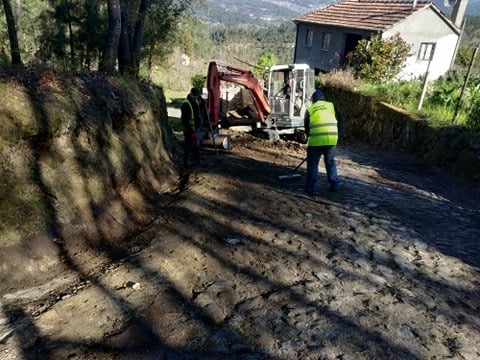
{"x":322,"y":122}
{"x":192,"y":117}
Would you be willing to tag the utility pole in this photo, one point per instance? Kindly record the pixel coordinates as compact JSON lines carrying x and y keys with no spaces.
{"x":425,"y":80}
{"x":467,"y":77}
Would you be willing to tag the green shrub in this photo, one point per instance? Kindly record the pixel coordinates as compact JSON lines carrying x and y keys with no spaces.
{"x":343,"y":79}
{"x":473,"y":119}
{"x":198,"y":81}
{"x":443,"y":93}
{"x":377,"y":60}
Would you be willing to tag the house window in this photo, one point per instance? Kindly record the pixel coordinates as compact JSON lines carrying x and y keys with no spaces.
{"x":325,"y":41}
{"x":426,"y":51}
{"x":309,"y":38}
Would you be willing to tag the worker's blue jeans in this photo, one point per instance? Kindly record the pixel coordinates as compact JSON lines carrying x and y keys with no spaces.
{"x":313,"y":158}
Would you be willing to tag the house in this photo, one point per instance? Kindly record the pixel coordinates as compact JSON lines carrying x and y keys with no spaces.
{"x":185,"y":60}
{"x":326,"y":36}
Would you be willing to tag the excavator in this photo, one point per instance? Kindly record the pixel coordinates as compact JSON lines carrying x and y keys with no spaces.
{"x":273,"y":111}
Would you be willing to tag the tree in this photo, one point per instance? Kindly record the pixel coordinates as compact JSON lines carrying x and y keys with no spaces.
{"x":12,"y":33}
{"x":90,"y":33}
{"x":68,"y":17}
{"x":160,"y":16}
{"x":72,"y":33}
{"x":162,"y":31}
{"x":265,"y":60}
{"x":110,"y":52}
{"x":377,"y":60}
{"x":131,"y":38}
{"x":138,"y":33}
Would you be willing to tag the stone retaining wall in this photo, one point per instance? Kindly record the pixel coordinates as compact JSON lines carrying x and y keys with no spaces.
{"x":380,"y":124}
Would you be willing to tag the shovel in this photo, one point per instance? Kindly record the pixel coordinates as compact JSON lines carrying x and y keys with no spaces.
{"x":211,"y":131}
{"x":294,"y":174}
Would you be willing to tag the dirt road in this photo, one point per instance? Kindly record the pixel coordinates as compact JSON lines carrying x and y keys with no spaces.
{"x":240,"y":265}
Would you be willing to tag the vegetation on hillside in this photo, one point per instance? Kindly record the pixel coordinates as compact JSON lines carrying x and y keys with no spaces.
{"x":444,"y":103}
{"x":89,"y":35}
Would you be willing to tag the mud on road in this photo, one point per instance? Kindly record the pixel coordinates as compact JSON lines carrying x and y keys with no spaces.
{"x":241,"y":265}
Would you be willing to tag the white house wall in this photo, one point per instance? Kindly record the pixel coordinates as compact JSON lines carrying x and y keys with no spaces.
{"x":426,"y":27}
{"x":423,"y":26}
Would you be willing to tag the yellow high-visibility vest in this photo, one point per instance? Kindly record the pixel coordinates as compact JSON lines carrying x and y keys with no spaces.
{"x":323,"y":124}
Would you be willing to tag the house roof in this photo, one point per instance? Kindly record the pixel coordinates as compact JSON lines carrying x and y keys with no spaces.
{"x":373,"y":15}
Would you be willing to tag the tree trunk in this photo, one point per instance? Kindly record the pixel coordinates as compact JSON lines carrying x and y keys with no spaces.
{"x":17,"y":13}
{"x":70,"y":32}
{"x":131,"y":39}
{"x":110,"y":52}
{"x":12,"y":33}
{"x":89,"y":11}
{"x":138,"y":34}
{"x":125,"y":50}
{"x":151,"y":49}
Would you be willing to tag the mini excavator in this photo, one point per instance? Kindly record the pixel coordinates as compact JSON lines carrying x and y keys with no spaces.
{"x":272,"y":111}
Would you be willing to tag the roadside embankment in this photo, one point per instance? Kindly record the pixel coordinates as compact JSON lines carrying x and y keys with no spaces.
{"x":82,"y":158}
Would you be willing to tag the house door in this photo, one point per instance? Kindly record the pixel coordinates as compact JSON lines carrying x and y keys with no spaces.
{"x":351,"y":41}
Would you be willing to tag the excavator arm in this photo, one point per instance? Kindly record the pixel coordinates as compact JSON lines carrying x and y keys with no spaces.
{"x":237,"y":76}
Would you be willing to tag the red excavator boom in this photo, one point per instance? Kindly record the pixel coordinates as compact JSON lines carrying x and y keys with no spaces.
{"x":237,"y":76}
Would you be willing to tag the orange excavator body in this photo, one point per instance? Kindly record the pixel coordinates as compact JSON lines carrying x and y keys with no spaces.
{"x":237,"y":76}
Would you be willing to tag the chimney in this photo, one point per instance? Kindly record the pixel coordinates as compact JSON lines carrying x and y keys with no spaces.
{"x":458,"y":12}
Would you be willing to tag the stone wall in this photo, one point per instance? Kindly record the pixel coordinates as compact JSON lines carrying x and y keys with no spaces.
{"x":380,"y":124}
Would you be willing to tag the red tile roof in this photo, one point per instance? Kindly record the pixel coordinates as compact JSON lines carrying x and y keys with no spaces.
{"x":364,"y":14}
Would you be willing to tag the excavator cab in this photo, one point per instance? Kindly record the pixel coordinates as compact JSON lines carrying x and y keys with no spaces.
{"x":289,"y":90}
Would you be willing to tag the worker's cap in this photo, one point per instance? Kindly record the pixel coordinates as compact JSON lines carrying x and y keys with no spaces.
{"x":318,"y":95}
{"x":195,"y":92}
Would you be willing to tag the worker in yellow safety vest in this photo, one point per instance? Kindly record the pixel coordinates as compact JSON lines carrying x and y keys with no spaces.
{"x":322,"y":121}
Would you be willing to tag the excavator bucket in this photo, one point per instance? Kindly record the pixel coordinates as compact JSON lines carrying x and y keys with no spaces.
{"x":219,"y":141}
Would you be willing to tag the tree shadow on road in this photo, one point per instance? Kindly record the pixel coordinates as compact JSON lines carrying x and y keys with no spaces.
{"x":320,"y":276}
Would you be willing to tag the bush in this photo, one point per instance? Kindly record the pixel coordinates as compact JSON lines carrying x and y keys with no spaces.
{"x":343,"y":79}
{"x":377,"y":60}
{"x":473,"y":120}
{"x":198,"y":81}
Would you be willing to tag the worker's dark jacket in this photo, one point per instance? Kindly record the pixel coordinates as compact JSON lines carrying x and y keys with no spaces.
{"x":191,"y":119}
